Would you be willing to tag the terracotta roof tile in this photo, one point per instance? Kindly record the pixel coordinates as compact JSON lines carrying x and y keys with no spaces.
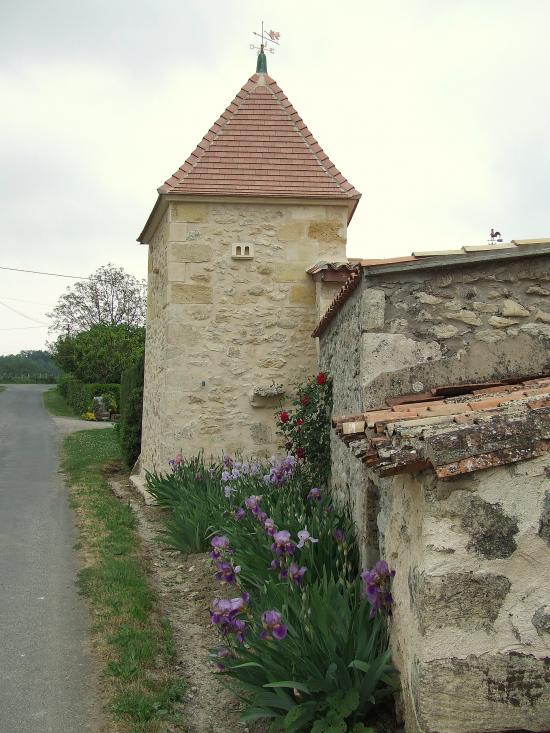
{"x":343,"y":294}
{"x":496,"y":424}
{"x":287,"y":162}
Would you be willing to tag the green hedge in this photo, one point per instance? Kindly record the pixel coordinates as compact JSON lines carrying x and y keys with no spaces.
{"x":131,"y":406}
{"x":80,"y":396}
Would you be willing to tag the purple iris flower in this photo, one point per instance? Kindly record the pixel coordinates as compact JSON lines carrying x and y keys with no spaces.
{"x":220,"y":542}
{"x":224,"y":615}
{"x":280,"y":470}
{"x":296,"y":574}
{"x":220,"y":546}
{"x":228,"y":462}
{"x":253,"y":503}
{"x":274,"y":628}
{"x":176,"y":462}
{"x":227,"y":491}
{"x":239,"y":514}
{"x":222,"y":652}
{"x":376,"y":586}
{"x":282,"y":544}
{"x":269,"y":526}
{"x":226,"y":573}
{"x":339,"y":536}
{"x":314,"y":494}
{"x":226,"y":476}
{"x":304,"y":538}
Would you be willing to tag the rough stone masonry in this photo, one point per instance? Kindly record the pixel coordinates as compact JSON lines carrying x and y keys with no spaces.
{"x":228,"y":337}
{"x":470,"y":630}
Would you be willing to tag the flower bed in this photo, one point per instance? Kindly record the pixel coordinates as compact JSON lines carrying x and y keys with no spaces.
{"x":302,"y":631}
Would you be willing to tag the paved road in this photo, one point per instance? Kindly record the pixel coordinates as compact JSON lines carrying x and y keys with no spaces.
{"x":47,"y":675}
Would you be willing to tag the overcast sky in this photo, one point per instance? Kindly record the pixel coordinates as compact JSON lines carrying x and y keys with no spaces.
{"x":437,"y":111}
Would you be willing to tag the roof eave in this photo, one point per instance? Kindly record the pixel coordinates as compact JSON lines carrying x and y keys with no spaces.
{"x":353,"y":205}
{"x":165,"y":196}
{"x":153,"y":219}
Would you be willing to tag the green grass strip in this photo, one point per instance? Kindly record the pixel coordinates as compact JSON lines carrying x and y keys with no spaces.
{"x":132,"y":638}
{"x":55,"y":403}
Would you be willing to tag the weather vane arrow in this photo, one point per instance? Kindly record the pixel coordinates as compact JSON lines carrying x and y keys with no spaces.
{"x":267,"y":40}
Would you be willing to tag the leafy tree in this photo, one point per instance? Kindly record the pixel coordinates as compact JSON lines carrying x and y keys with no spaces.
{"x":101,"y":353}
{"x":28,"y":366}
{"x":109,"y":297}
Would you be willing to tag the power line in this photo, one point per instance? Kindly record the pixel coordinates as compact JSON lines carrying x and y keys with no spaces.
{"x":23,"y":315}
{"x":24,"y":300}
{"x":37,"y":272}
{"x":21,"y":328}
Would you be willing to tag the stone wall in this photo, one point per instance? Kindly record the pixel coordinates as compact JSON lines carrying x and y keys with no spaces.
{"x":471,"y":624}
{"x":470,"y":632}
{"x":227,"y":337}
{"x":156,"y":346}
{"x":341,"y":357}
{"x":419,"y":316}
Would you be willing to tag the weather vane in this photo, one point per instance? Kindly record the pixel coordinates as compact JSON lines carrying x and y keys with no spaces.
{"x":495,"y":237}
{"x":266,"y":38}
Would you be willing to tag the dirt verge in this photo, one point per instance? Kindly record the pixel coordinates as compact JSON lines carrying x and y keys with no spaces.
{"x":185,"y":587}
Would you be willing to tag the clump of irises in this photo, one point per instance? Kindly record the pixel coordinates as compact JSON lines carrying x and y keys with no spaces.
{"x":280,"y":470}
{"x":234,"y":617}
{"x":233,"y":469}
{"x":287,"y":558}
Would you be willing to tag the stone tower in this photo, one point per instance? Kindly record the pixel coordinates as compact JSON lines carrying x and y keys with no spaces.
{"x":230,"y":306}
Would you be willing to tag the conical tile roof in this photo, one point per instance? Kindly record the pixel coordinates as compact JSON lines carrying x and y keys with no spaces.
{"x":260,"y":146}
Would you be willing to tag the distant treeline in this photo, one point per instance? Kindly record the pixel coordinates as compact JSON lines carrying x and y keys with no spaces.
{"x":29,"y":366}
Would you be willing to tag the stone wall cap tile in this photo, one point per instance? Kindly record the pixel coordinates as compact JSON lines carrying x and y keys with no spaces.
{"x":540,"y":240}
{"x":481,"y":426}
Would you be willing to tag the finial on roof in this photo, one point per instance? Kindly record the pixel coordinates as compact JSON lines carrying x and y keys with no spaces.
{"x":266,"y":37}
{"x":261,"y":64}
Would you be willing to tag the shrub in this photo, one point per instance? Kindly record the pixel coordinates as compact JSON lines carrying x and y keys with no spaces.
{"x":99,"y":354}
{"x":131,"y":409}
{"x":80,"y":396}
{"x":306,"y":426}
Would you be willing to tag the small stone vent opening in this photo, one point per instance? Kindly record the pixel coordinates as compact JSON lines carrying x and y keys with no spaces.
{"x":242,"y":251}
